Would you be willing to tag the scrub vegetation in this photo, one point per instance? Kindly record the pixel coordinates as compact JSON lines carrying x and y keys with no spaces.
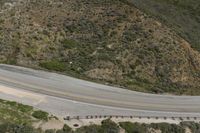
{"x":19,"y":114}
{"x":19,"y":118}
{"x":183,"y":127}
{"x":183,"y":16}
{"x":107,"y":41}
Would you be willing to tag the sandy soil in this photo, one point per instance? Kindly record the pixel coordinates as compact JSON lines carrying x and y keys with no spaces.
{"x":52,"y":124}
{"x":22,"y":94}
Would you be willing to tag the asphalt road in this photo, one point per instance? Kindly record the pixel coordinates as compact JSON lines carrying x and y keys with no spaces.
{"x":87,"y":92}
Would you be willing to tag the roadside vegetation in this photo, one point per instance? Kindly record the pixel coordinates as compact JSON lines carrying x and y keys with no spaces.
{"x":18,"y":128}
{"x":19,"y":113}
{"x":14,"y":112}
{"x":107,"y":41}
{"x":41,"y":115}
{"x":108,"y":127}
{"x":183,"y":127}
{"x":53,"y":65}
{"x":19,"y":118}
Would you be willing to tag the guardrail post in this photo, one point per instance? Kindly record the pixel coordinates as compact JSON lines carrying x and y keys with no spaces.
{"x":67,"y":118}
{"x":77,"y":117}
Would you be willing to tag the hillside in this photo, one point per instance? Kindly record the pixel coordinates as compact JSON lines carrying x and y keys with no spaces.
{"x":183,"y":16}
{"x":19,"y":118}
{"x":108,"y":41}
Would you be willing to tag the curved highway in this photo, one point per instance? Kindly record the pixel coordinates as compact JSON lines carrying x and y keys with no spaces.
{"x":87,"y":92}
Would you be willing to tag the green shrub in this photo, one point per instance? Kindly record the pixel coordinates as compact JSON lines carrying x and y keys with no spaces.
{"x":69,"y":44}
{"x":24,"y":108}
{"x":11,"y":103}
{"x":40,"y":115}
{"x":134,"y":127}
{"x":194,"y":127}
{"x":50,"y":131}
{"x":15,"y":128}
{"x":89,"y":129}
{"x":168,"y":128}
{"x":144,"y":128}
{"x":54,"y":65}
{"x":11,"y":61}
{"x":66,"y":128}
{"x":109,"y":126}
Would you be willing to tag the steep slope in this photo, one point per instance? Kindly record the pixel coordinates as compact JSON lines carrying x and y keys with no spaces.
{"x":183,"y":16}
{"x":100,"y":40}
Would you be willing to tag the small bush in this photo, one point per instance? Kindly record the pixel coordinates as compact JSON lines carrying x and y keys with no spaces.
{"x":144,"y":128}
{"x":134,"y":127}
{"x":15,"y":128}
{"x":66,"y":129}
{"x":50,"y":131}
{"x":54,"y":65}
{"x":11,"y":61}
{"x":40,"y":115}
{"x":69,"y":44}
{"x":24,"y":108}
{"x":109,"y":126}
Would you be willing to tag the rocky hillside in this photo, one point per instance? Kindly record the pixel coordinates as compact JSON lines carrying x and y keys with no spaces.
{"x":107,"y":41}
